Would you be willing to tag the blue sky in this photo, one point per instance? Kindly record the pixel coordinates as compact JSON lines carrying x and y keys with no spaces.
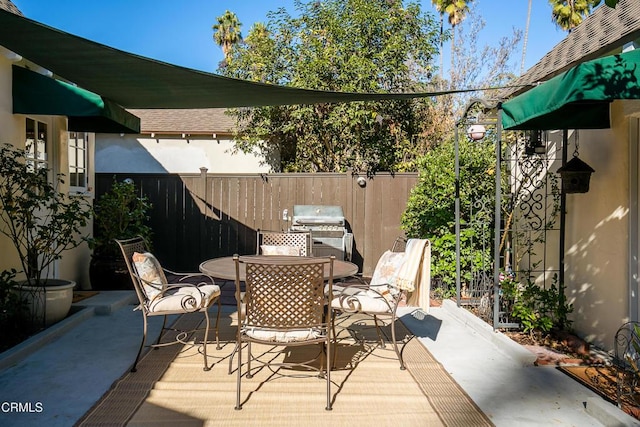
{"x":179,"y":32}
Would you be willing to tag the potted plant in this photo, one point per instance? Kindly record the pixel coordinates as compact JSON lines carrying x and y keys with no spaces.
{"x":41,"y":223}
{"x":120,"y":213}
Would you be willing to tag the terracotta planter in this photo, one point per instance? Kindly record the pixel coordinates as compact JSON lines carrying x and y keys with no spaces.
{"x":49,"y":304}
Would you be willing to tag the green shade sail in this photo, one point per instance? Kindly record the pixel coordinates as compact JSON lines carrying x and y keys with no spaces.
{"x":578,"y":98}
{"x":34,"y":93}
{"x":133,"y":81}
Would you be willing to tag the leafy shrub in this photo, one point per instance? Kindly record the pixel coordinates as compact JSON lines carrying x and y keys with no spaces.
{"x":430,"y":211}
{"x":537,"y":309}
{"x":13,"y":312}
{"x":120,"y":213}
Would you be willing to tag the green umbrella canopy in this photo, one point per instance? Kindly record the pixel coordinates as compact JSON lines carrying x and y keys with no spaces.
{"x":578,"y":98}
{"x":34,"y":93}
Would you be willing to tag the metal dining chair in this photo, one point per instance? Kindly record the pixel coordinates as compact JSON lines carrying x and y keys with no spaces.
{"x":397,"y":273}
{"x":285,"y":306}
{"x":158,"y":296}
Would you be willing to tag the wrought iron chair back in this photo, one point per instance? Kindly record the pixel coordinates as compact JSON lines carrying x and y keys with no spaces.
{"x":282,"y":239}
{"x":284,"y":306}
{"x":399,"y":245}
{"x":128,"y":248}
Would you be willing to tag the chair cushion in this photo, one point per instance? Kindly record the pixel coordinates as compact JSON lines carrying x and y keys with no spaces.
{"x":151,"y":272}
{"x":280,"y":250}
{"x":187,"y":298}
{"x":387,"y":268}
{"x":365,"y":301}
{"x":281,"y":336}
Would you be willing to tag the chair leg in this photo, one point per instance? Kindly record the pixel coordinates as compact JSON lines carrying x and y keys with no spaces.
{"x":235,"y":350}
{"x":205,"y":341}
{"x":144,"y":338}
{"x":164,"y":324}
{"x":206,"y":333}
{"x":395,"y":343}
{"x":379,"y":332}
{"x":218,"y":347}
{"x":239,"y":376}
{"x":335,"y":337}
{"x":249,"y":374}
{"x":328,"y":374}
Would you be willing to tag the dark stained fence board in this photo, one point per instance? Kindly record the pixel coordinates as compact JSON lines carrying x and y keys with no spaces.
{"x":201,"y":216}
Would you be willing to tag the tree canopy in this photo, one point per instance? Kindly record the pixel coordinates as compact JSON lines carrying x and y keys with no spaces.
{"x":341,"y":45}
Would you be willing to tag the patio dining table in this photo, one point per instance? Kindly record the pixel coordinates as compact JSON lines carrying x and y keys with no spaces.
{"x":225,"y":268}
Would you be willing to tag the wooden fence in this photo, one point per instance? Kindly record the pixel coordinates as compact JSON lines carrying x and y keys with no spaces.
{"x":200,"y":216}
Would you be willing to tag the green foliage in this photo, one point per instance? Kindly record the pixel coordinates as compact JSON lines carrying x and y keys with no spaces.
{"x":569,"y":14}
{"x":40,"y":221}
{"x":631,"y":357}
{"x":120,"y":213}
{"x":536,"y":308}
{"x":13,"y":311}
{"x":340,"y":45}
{"x":430,"y":211}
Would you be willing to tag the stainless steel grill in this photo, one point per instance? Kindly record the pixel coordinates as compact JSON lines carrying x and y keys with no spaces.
{"x":329,"y":233}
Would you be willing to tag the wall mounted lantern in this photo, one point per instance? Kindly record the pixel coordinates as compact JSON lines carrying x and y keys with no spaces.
{"x":534,"y":143}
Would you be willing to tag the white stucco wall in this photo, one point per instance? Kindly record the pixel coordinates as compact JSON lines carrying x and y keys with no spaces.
{"x":75,"y":264}
{"x":134,"y":153}
{"x":9,"y":133}
{"x":597,"y":235}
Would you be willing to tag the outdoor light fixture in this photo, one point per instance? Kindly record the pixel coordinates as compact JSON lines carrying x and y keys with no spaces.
{"x":534,"y":143}
{"x":476,"y":132}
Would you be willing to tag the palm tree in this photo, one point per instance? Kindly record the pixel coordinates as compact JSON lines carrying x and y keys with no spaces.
{"x":440,"y":6}
{"x":526,"y":38}
{"x":457,"y":11}
{"x":568,"y":14}
{"x":227,"y":32}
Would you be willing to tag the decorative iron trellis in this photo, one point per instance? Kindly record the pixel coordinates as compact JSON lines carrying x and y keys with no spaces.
{"x":530,"y":231}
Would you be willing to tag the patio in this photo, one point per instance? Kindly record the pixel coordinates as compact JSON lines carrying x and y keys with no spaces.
{"x":80,"y":359}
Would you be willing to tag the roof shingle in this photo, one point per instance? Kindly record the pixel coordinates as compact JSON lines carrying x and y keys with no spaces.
{"x":10,"y":7}
{"x":192,"y":121}
{"x":599,"y":34}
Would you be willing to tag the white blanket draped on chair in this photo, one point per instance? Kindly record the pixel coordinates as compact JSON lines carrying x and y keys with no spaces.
{"x":415,"y":273}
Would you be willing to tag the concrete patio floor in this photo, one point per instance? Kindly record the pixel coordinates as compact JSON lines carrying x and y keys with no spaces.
{"x":55,"y":378}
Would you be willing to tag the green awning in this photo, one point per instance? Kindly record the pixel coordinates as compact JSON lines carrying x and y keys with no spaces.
{"x":34,"y":93}
{"x":133,"y":81}
{"x":578,"y":98}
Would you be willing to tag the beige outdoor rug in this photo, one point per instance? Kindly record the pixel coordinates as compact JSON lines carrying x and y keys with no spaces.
{"x":368,"y":388}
